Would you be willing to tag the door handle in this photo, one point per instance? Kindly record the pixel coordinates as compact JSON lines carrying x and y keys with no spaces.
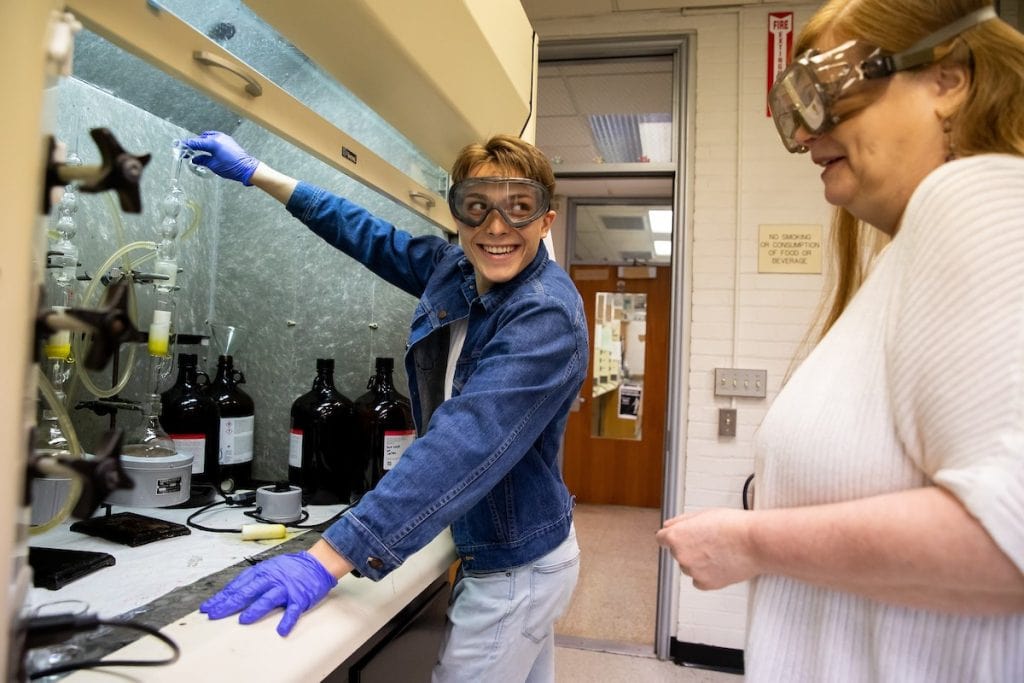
{"x":252,"y":86}
{"x":423,"y":197}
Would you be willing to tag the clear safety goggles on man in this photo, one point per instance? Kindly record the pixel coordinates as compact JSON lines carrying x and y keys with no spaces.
{"x":519,"y":201}
{"x":805,"y":94}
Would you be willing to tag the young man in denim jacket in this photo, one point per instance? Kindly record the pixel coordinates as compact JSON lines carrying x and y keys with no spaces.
{"x":497,"y":354}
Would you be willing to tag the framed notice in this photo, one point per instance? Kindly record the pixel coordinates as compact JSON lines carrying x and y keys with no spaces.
{"x":789,"y":249}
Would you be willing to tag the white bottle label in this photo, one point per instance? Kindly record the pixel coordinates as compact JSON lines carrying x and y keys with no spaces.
{"x":170,"y":485}
{"x":295,"y":448}
{"x":395,"y":443}
{"x":236,"y":440}
{"x":194,"y":445}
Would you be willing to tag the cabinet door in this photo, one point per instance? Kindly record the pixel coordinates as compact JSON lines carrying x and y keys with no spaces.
{"x":407,"y":648}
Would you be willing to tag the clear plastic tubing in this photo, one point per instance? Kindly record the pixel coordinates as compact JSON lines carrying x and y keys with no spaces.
{"x":50,"y":396}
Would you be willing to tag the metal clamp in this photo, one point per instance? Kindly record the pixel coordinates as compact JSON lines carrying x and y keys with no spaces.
{"x":205,"y":58}
{"x":423,"y":197}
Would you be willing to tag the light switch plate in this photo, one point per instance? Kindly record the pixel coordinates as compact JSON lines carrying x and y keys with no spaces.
{"x":735,"y":382}
{"x":727,"y":422}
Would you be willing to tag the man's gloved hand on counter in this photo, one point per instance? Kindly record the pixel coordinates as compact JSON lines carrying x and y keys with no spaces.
{"x":295,"y":581}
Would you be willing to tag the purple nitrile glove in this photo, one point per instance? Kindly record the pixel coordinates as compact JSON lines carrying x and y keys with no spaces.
{"x":296,"y":582}
{"x":226,"y":158}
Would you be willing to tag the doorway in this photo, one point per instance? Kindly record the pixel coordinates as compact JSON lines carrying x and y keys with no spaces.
{"x":615,"y":440}
{"x":614,"y":445}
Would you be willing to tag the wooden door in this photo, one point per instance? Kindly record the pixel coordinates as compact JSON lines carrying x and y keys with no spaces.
{"x":615,"y":437}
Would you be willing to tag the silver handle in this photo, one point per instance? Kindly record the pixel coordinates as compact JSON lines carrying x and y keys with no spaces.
{"x":209,"y":59}
{"x":423,"y":197}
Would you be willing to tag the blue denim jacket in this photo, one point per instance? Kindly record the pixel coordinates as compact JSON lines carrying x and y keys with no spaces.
{"x":485,"y":461}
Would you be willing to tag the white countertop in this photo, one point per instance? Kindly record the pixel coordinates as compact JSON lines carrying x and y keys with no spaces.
{"x":146,"y":572}
{"x":323,"y":638}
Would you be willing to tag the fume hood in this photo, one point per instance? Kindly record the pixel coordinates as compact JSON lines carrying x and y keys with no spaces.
{"x":387,"y":93}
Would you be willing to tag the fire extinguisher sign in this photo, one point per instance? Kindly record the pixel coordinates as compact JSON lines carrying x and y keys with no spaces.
{"x":780,"y":47}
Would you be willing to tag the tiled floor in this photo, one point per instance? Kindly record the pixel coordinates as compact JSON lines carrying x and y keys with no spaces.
{"x":607,"y":634}
{"x":616,"y":597}
{"x":587,"y":666}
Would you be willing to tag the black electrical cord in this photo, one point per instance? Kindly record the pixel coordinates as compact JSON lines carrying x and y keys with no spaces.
{"x":255,"y":514}
{"x":324,"y":524}
{"x":246,"y":499}
{"x":748,"y":502}
{"x":238,"y":499}
{"x":533,"y":66}
{"x":41,"y":631}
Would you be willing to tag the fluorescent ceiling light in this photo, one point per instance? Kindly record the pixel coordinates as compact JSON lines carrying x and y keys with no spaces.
{"x":656,"y":140}
{"x":661,"y":220}
{"x":663,"y":247}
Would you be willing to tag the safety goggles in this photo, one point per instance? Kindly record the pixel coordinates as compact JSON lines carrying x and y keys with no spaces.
{"x":806,"y":94}
{"x":519,"y":201}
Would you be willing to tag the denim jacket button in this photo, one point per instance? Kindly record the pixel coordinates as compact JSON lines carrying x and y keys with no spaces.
{"x":442,"y":314}
{"x":375,"y":562}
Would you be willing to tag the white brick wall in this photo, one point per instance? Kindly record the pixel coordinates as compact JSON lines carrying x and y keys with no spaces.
{"x":743,"y":178}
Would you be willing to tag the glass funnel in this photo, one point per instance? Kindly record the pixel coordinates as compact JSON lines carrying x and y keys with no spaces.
{"x":226,"y":339}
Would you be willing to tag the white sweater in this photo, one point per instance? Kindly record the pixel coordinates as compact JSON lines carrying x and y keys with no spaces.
{"x":920,"y":382}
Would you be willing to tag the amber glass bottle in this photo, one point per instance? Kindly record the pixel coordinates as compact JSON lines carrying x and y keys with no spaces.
{"x":387,"y":425}
{"x":191,"y":419}
{"x":324,"y":431}
{"x":237,"y":421}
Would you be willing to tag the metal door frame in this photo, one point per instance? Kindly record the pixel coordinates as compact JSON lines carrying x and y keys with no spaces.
{"x":683,"y":48}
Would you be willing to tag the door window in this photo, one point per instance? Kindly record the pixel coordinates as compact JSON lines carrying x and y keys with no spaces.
{"x":620,"y":335}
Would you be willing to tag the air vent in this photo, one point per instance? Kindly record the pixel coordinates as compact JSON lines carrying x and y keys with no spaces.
{"x":623,"y":222}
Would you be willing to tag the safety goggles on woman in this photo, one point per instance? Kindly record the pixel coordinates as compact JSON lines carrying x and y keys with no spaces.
{"x":519,"y":201}
{"x":805,"y":94}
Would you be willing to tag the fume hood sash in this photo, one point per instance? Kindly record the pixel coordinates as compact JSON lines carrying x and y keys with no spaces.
{"x":170,"y":44}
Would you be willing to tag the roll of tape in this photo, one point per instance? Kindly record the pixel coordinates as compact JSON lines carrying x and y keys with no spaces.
{"x":279,"y":503}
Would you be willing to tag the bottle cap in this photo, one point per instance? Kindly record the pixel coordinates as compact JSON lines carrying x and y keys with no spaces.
{"x":325,"y":364}
{"x":385,"y":363}
{"x":187,"y":359}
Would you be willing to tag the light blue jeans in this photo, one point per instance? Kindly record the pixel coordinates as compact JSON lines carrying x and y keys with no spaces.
{"x":501,"y":625}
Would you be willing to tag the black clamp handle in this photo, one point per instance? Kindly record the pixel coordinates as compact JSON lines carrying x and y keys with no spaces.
{"x":118,"y":170}
{"x":111,"y":326}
